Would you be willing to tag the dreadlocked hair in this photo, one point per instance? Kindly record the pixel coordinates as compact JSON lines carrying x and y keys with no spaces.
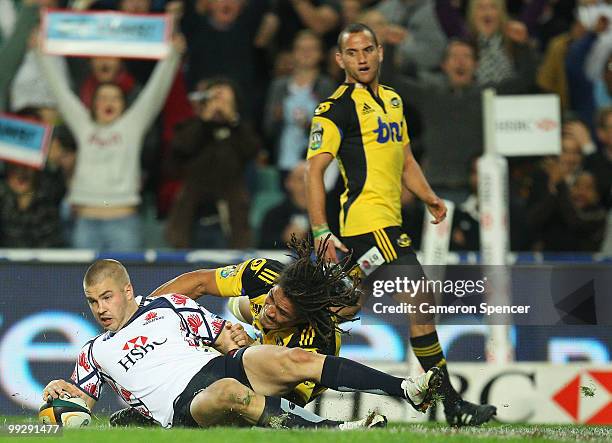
{"x":319,"y":288}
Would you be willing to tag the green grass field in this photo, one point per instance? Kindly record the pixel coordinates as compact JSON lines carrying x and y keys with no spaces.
{"x":99,"y":432}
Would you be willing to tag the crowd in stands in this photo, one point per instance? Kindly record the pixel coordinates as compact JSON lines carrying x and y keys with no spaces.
{"x":205,"y":148}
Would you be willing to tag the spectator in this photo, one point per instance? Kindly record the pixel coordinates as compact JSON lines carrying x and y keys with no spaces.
{"x":291,"y":100}
{"x":588,"y":93}
{"x":288,"y":17}
{"x":290,"y":217}
{"x":105,"y":187}
{"x":421,"y":47}
{"x":221,"y":43}
{"x":451,"y":112}
{"x":29,"y":210}
{"x":552,"y":76}
{"x":569,"y":218}
{"x":600,"y":163}
{"x":61,"y":161}
{"x":496,"y":37}
{"x":108,"y":70}
{"x":14,"y":48}
{"x":211,"y":153}
{"x":29,"y":87}
{"x":465,"y":231}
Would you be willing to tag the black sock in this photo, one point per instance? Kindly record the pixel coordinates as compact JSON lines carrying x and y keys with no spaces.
{"x":281,"y":413}
{"x":346,"y":375}
{"x":429,"y":352}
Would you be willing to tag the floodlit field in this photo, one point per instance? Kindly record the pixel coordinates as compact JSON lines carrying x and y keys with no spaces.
{"x":405,"y":433}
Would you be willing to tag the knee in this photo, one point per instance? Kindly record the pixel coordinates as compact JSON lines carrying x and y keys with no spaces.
{"x":230,"y":394}
{"x":294,"y":363}
{"x":298,"y":356}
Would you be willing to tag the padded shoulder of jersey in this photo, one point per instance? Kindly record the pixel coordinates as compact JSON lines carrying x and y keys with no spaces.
{"x":337,"y":106}
{"x":388,"y":88}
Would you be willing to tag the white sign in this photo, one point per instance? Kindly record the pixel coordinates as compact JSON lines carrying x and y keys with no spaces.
{"x":527,"y":125}
{"x":436,"y":238}
{"x":106,"y":33}
{"x":24,"y":141}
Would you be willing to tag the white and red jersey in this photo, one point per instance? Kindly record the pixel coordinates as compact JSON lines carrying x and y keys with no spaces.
{"x":150,"y":360}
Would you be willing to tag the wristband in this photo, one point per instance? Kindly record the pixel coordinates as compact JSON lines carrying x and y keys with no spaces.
{"x":320,"y":230}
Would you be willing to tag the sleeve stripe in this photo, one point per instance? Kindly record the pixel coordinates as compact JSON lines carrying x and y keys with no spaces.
{"x":265,"y":279}
{"x":84,"y":391}
{"x":270,"y":271}
{"x":269,"y":275}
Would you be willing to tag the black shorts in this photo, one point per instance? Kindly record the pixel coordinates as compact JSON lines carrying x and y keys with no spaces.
{"x":393,"y":246}
{"x":224,"y":366}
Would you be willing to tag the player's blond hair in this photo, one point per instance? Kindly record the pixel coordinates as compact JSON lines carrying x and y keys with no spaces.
{"x":106,"y":268}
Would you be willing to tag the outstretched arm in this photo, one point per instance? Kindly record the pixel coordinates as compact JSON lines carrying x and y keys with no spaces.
{"x":72,"y":109}
{"x":150,"y":101}
{"x":193,"y":284}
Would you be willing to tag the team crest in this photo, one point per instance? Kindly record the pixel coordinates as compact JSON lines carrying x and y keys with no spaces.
{"x":228,"y":271}
{"x":395,"y":102}
{"x":322,"y":108}
{"x":316,"y":137}
{"x":403,"y":241}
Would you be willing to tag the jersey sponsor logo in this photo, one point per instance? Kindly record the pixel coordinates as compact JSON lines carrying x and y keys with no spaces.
{"x":316,"y":137}
{"x":403,"y":241}
{"x":367,"y":109}
{"x":395,"y":102}
{"x":323,"y":107}
{"x":134,"y":342}
{"x":388,"y":131}
{"x":151,"y":317}
{"x":139,"y":347}
{"x":229,"y":271}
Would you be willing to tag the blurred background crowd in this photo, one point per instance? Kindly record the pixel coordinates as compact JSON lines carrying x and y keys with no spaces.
{"x":205,"y":148}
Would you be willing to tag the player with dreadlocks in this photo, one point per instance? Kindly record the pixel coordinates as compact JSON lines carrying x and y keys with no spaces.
{"x":299,"y":305}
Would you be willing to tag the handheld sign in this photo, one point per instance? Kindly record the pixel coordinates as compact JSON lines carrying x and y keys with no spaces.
{"x":23,"y":141}
{"x":106,"y":33}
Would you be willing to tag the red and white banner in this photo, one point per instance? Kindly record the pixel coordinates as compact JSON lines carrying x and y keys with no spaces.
{"x":522,"y":392}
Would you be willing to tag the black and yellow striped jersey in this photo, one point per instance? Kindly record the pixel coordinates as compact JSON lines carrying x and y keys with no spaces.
{"x":367,"y":134}
{"x":254,"y":278}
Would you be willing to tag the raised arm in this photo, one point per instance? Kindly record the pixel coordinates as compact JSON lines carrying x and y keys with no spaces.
{"x":150,"y":101}
{"x":72,"y":109}
{"x":12,"y":53}
{"x":320,"y":19}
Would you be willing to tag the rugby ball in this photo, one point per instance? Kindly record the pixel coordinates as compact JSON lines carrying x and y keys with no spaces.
{"x":70,"y":412}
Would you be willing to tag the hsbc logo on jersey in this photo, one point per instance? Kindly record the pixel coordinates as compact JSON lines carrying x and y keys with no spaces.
{"x":138,"y":348}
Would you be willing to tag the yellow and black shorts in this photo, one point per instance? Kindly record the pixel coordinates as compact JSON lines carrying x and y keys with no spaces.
{"x":394,"y":247}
